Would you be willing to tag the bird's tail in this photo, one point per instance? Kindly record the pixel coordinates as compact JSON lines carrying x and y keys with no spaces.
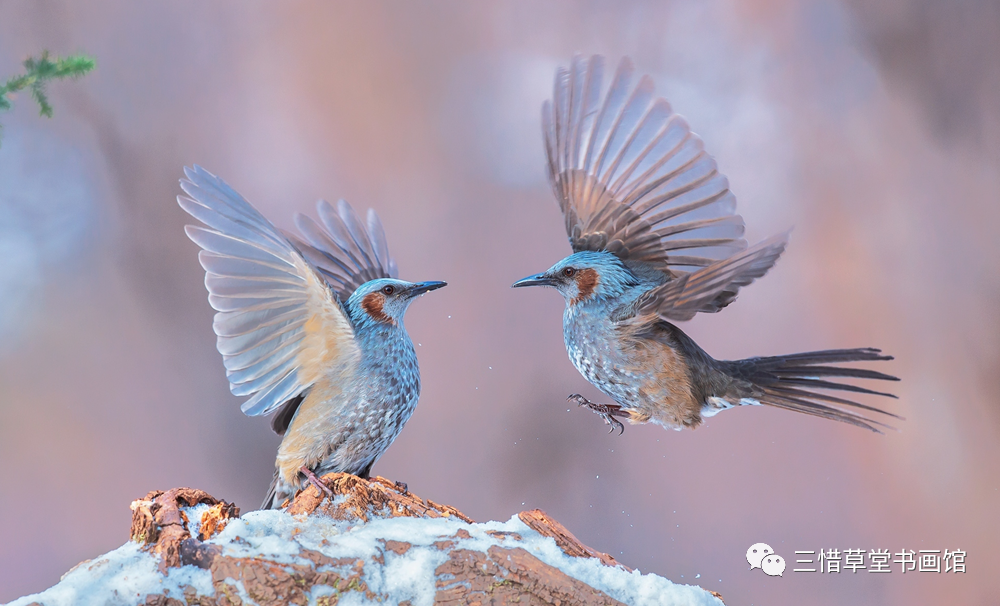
{"x":273,"y":499}
{"x":800,"y":381}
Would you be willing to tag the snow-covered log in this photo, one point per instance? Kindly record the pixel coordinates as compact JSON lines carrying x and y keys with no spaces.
{"x":373,"y":542}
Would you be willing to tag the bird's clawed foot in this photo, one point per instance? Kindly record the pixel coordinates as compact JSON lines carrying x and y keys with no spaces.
{"x":402,"y":487}
{"x":318,"y":483}
{"x":608,"y":412}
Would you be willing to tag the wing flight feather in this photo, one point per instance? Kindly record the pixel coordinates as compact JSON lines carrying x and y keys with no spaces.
{"x":630,"y":176}
{"x":346,"y":251}
{"x":279,"y":327}
{"x":633,"y":180}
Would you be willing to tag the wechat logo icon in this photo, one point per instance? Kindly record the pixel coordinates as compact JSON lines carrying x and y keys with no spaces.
{"x":760,"y":555}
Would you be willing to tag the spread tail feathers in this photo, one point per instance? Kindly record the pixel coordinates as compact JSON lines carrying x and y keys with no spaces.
{"x":799,"y":381}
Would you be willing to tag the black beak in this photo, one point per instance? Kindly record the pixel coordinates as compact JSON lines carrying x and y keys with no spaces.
{"x":535,"y":280}
{"x":421,"y":287}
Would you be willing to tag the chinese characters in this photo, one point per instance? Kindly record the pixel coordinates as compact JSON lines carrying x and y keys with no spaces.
{"x":835,"y":561}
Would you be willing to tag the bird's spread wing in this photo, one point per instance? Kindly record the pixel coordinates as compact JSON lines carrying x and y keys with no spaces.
{"x":347,"y":252}
{"x":708,"y":289}
{"x":280,"y":330}
{"x":630,"y":176}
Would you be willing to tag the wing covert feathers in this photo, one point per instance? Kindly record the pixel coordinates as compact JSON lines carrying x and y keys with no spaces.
{"x":630,"y":176}
{"x":279,"y":328}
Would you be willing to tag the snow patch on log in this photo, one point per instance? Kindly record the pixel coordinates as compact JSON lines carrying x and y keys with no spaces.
{"x":373,"y":542}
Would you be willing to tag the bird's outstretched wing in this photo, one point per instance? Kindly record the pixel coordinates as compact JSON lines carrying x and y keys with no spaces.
{"x":346,"y":251}
{"x":630,"y":176}
{"x":279,"y":327}
{"x":633,"y":180}
{"x":708,"y":289}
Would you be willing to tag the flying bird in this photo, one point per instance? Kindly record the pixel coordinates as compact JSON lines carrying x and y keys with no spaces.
{"x":656,"y":239}
{"x":310,"y":328}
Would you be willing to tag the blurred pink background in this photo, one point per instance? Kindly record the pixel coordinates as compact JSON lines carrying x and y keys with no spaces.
{"x":874,"y":131}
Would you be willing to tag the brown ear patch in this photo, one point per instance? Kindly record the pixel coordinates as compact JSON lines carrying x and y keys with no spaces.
{"x":586,"y":282}
{"x":372,"y":304}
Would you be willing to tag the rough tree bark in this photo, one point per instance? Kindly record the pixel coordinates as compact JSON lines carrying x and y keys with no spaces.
{"x":503,"y":573}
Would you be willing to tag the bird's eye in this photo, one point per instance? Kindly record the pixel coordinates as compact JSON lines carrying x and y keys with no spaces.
{"x":388,"y":289}
{"x":568,"y":272}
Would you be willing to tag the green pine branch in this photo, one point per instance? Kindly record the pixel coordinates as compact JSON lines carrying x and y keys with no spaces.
{"x":38,"y":73}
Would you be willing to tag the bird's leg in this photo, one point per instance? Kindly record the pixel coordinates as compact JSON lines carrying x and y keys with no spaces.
{"x":402,"y":487}
{"x":311,"y":477}
{"x":608,"y":412}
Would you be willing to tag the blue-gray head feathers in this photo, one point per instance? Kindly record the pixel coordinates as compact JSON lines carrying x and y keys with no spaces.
{"x":585,"y":277}
{"x":385,"y":300}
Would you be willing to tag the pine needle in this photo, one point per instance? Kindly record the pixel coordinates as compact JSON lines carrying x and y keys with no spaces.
{"x":38,"y":73}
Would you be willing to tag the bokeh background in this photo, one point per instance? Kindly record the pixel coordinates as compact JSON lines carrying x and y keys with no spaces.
{"x":872,"y":128}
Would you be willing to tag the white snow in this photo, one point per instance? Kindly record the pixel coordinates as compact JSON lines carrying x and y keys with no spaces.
{"x":127,"y":574}
{"x":122,"y":576}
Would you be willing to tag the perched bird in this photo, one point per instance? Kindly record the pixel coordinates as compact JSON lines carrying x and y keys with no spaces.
{"x":655,"y":240}
{"x":312,"y":329}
